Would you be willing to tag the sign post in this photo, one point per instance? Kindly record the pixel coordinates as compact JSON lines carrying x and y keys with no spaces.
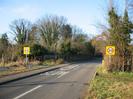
{"x":110,"y":51}
{"x":26,"y":51}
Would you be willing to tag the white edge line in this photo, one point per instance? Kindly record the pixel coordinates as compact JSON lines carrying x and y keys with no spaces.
{"x":23,"y":94}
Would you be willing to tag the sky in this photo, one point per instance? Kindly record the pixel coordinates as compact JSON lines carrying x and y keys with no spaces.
{"x":85,"y":14}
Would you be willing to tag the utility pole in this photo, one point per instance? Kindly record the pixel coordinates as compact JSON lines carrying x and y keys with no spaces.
{"x":126,"y":5}
{"x":110,"y":4}
{"x":27,"y":35}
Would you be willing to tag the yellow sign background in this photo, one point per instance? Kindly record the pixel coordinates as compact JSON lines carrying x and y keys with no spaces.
{"x":110,"y":50}
{"x":26,"y":50}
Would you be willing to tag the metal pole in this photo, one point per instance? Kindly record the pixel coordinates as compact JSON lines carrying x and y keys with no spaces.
{"x":109,"y":59}
{"x":26,"y":60}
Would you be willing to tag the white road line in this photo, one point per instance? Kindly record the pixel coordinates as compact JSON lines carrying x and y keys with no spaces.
{"x":21,"y":95}
{"x":62,"y":74}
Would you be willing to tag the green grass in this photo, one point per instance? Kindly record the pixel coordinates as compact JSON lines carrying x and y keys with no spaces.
{"x":52,"y":62}
{"x":19,"y":68}
{"x":118,"y":85}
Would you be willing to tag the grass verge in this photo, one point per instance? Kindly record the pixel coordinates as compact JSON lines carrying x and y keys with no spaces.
{"x":16,"y":67}
{"x":117,"y":85}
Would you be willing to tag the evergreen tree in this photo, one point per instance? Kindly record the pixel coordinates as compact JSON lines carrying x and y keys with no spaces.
{"x":120,"y":37}
{"x":126,"y":40}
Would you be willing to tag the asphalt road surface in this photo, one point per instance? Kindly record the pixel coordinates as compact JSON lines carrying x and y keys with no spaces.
{"x":67,"y":82}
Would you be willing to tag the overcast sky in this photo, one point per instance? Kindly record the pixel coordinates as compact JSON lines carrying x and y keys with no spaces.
{"x":86,"y":14}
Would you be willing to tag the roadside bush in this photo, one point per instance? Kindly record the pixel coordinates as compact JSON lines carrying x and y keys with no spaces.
{"x":38,"y":50}
{"x":49,"y":62}
{"x":35,"y":62}
{"x":52,"y":62}
{"x":59,"y":61}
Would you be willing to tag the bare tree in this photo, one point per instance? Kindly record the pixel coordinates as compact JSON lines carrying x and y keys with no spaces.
{"x":21,"y":29}
{"x":50,"y":30}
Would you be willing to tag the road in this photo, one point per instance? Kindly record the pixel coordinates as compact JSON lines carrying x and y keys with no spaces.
{"x":67,"y":82}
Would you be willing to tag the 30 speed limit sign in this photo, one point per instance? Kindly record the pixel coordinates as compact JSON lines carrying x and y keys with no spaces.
{"x":110,"y":50}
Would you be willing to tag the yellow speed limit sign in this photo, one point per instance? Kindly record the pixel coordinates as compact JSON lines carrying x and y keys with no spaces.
{"x":26,"y":50}
{"x":110,"y":50}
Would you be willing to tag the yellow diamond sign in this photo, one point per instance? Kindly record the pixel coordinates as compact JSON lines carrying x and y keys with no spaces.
{"x":26,"y":50}
{"x":110,"y":50}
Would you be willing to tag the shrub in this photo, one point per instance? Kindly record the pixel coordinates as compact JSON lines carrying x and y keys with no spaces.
{"x":59,"y":61}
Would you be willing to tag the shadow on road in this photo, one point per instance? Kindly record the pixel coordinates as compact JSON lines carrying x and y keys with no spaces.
{"x":38,"y":83}
{"x":89,"y":60}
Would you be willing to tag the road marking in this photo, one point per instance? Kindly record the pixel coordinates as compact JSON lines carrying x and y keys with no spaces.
{"x":69,"y":67}
{"x":21,"y":95}
{"x":62,"y":74}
